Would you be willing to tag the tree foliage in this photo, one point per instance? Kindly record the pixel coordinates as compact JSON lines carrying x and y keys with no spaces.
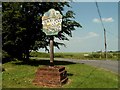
{"x":22,"y":26}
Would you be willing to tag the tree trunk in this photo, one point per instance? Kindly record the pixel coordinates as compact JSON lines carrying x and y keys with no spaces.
{"x":27,"y":54}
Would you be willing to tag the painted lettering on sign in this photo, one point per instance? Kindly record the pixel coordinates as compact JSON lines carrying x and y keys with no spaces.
{"x":52,"y":21}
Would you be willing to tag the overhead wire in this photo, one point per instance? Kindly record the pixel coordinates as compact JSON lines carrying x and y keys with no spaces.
{"x":102,"y":21}
{"x":100,"y":15}
{"x":105,"y":43}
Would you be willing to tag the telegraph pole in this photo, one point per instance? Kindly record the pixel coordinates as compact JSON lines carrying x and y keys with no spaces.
{"x":105,"y":43}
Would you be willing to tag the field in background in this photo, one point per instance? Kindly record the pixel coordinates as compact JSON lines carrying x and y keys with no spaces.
{"x":82,"y":56}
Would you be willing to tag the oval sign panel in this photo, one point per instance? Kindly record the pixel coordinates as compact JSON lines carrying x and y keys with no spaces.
{"x":52,"y":22}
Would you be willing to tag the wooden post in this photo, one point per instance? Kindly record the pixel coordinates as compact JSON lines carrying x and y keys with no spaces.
{"x":105,"y":43}
{"x":51,"y":51}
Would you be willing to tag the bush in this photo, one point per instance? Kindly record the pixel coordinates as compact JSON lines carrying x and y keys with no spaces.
{"x":5,"y":54}
{"x":5,"y":57}
{"x":109,"y":55}
{"x":96,"y":55}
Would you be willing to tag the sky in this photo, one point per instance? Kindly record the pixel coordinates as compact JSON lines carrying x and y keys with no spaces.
{"x":90,"y":37}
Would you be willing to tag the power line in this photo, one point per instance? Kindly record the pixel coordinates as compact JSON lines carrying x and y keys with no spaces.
{"x":112,"y":34}
{"x":100,"y":15}
{"x":101,"y":19}
{"x":105,"y":43}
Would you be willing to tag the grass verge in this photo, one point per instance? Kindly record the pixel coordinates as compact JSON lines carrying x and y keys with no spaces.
{"x":18,"y":74}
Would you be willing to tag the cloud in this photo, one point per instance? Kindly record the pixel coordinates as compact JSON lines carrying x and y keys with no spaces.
{"x":96,"y":20}
{"x":89,"y":35}
{"x":81,"y":43}
{"x":77,"y":39}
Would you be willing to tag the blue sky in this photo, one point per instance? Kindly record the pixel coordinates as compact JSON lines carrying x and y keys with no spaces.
{"x":91,"y":38}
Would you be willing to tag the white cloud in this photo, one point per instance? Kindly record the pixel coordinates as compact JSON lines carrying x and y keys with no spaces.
{"x":91,"y":35}
{"x":81,"y":43}
{"x":88,"y":36}
{"x":77,"y":39}
{"x":96,"y":20}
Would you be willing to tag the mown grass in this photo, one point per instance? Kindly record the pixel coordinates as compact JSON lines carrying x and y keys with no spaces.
{"x":18,"y":74}
{"x":90,"y":55}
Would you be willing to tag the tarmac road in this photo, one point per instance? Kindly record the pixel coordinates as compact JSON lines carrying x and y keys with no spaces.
{"x":105,"y":64}
{"x":110,"y":65}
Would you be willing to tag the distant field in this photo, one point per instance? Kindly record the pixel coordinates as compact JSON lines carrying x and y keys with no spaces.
{"x":82,"y":56}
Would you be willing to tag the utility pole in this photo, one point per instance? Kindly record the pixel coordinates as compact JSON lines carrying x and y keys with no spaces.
{"x":105,"y":43}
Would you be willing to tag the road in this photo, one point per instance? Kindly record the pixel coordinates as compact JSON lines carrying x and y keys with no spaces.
{"x":110,"y":65}
{"x":105,"y":64}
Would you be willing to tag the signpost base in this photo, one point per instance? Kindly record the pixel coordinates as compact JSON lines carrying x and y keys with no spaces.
{"x":54,"y":76}
{"x":51,"y":64}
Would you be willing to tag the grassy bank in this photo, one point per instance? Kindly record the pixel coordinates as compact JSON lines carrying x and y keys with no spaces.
{"x":18,"y":74}
{"x":87,"y":55}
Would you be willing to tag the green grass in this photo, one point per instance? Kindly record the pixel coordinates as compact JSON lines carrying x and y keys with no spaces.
{"x":18,"y":74}
{"x":80,"y":56}
{"x":89,"y":77}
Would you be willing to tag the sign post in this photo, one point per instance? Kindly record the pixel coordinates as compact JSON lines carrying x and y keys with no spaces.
{"x":51,"y":75}
{"x":51,"y":51}
{"x":51,"y":22}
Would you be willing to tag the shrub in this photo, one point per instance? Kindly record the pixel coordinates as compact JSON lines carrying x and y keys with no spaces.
{"x":6,"y":57}
{"x":5,"y":54}
{"x":96,"y":55}
{"x":109,"y":55}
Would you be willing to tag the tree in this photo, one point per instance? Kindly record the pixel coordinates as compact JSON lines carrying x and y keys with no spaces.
{"x":22,"y":26}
